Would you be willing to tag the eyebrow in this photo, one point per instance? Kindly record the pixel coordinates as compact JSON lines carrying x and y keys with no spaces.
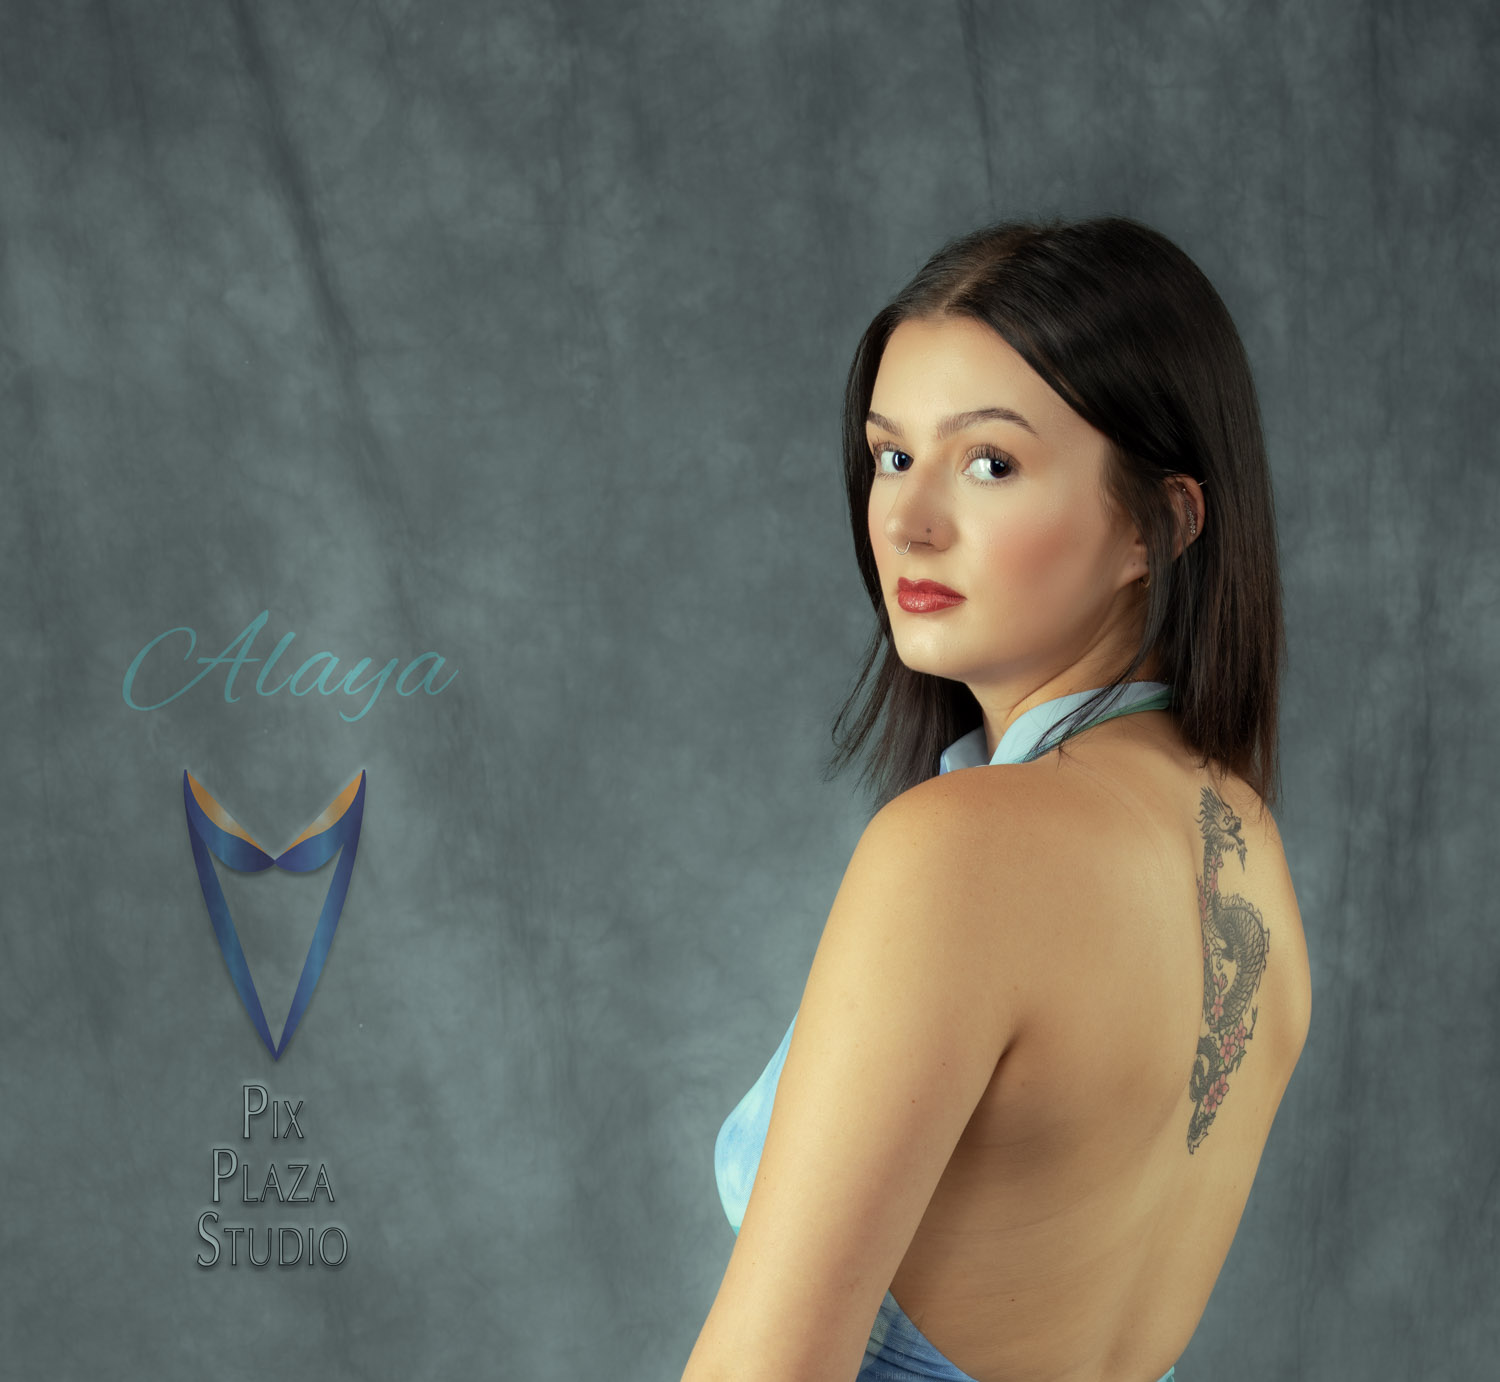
{"x":958,"y":421}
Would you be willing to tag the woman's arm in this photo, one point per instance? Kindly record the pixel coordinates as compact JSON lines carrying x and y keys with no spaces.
{"x":909,"y":1004}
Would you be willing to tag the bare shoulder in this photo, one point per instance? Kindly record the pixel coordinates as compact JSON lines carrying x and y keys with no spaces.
{"x":1016,"y":849}
{"x":1074,"y":840}
{"x":1040,"y":813}
{"x":968,"y":821}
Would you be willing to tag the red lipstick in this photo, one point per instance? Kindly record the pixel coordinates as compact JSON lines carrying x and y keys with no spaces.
{"x":925,"y":597}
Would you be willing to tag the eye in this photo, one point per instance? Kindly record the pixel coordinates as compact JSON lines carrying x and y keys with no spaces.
{"x":889,"y":460}
{"x":989,"y":466}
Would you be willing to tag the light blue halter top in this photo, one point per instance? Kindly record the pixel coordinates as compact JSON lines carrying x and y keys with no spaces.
{"x":898,"y":1351}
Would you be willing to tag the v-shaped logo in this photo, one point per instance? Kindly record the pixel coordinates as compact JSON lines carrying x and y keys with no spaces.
{"x":214,"y":831}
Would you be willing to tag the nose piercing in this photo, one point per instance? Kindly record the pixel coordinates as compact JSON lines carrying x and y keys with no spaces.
{"x":901,"y":551}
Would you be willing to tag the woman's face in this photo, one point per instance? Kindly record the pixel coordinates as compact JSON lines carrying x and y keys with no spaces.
{"x":999,"y":488}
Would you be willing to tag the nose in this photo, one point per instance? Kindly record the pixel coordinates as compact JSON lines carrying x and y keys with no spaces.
{"x":918,"y":514}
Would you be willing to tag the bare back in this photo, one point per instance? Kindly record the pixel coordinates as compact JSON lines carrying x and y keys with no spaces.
{"x":1087,"y":1210}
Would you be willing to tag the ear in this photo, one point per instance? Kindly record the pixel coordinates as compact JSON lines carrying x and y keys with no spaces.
{"x":1134,"y":566}
{"x":1184,"y":494}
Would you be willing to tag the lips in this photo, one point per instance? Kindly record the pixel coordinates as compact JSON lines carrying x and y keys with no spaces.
{"x":925,"y":597}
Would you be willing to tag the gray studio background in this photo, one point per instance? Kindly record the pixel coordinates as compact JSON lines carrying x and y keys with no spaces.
{"x":515,"y":333}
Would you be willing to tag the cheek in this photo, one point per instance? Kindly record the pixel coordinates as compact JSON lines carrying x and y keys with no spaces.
{"x":1042,"y":553}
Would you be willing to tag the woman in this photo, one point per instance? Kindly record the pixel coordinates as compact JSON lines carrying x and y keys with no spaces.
{"x":1061,"y":990}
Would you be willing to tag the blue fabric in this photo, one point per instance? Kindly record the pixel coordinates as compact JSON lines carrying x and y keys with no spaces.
{"x":897,"y":1350}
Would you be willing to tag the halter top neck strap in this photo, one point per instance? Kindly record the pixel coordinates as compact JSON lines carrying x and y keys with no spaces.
{"x":1037,"y":731}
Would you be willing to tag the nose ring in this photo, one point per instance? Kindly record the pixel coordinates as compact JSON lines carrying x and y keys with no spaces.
{"x":901,"y":551}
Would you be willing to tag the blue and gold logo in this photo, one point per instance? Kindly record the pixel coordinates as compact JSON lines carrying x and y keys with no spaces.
{"x":214,"y":832}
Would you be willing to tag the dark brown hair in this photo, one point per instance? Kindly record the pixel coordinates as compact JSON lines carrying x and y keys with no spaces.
{"x":1128,"y":331}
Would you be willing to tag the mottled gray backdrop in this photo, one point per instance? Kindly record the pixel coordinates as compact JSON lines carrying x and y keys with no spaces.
{"x":515,"y":333}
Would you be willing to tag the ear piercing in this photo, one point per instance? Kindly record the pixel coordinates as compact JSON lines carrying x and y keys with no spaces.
{"x":1192,"y":527}
{"x":1192,"y":513}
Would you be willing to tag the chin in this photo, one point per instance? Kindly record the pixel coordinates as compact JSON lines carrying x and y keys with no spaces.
{"x":920,"y":659}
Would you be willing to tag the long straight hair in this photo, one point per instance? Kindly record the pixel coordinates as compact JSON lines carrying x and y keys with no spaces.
{"x":1129,"y":332}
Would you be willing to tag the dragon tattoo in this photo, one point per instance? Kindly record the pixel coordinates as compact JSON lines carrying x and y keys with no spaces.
{"x":1235,"y":945}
